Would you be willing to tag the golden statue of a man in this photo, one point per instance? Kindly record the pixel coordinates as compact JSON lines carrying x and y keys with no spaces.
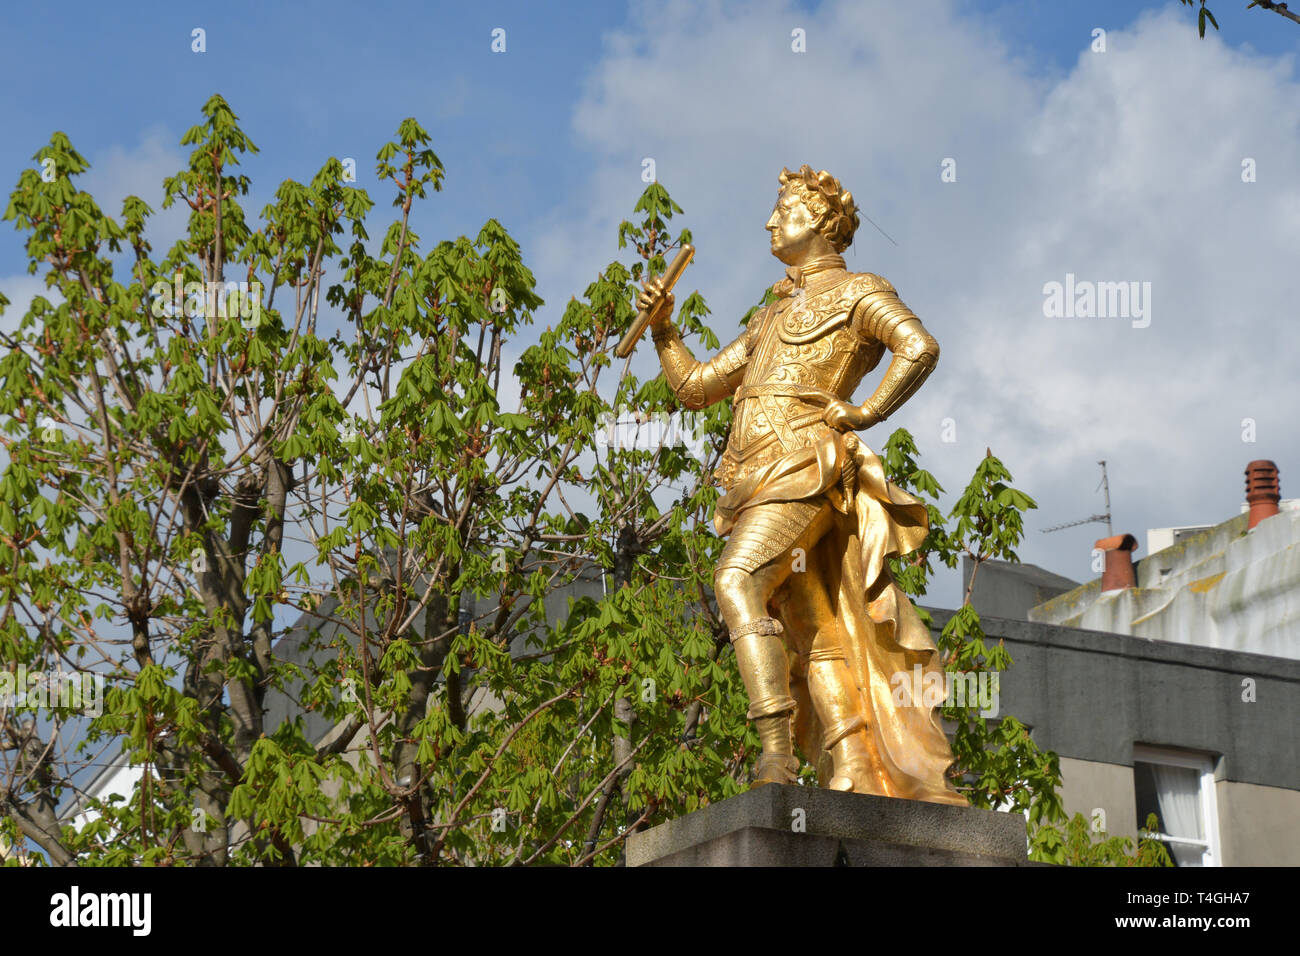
{"x":819,"y":627}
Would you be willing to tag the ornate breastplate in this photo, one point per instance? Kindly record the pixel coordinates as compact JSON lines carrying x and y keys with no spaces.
{"x":806,"y":355}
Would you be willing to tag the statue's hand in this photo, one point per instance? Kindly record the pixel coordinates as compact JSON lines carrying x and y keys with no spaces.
{"x":657,"y":302}
{"x":845,"y":417}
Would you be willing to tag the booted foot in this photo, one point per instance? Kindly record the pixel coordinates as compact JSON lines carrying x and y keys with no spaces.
{"x":845,"y":784}
{"x":775,"y":768}
{"x":853,"y":767}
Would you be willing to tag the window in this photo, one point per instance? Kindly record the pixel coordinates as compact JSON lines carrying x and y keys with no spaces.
{"x":1178,"y":787}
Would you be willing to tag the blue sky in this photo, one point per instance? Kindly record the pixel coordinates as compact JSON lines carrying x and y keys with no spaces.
{"x":338,"y":81}
{"x":333,"y":84}
{"x":1071,"y":162}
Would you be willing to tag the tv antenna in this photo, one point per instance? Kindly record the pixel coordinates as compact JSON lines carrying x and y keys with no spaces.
{"x":1104,"y":517}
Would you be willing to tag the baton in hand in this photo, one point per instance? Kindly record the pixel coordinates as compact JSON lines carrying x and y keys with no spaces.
{"x":670,"y":277}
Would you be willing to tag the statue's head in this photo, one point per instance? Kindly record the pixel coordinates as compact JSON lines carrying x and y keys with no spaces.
{"x":812,"y":214}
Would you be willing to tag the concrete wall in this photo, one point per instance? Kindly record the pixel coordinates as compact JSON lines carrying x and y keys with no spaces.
{"x":1258,"y":826}
{"x":1089,"y":786}
{"x":1091,"y":696}
{"x":1008,"y":589}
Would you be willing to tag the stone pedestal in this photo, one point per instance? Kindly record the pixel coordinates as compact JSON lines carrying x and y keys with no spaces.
{"x":780,"y":825}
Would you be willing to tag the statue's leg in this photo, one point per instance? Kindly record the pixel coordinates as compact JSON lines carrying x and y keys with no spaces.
{"x":807,"y":727}
{"x":846,"y":736}
{"x":755,"y":562}
{"x":831,"y":689}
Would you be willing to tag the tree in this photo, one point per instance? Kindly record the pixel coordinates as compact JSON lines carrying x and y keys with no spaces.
{"x":1203,"y":14}
{"x":186,"y":474}
{"x":199,"y":467}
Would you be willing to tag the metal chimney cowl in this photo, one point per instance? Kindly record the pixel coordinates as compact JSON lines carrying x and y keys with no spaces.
{"x":1263,"y":491}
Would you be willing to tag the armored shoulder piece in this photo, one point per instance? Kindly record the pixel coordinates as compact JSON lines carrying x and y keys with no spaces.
{"x":882,"y":316}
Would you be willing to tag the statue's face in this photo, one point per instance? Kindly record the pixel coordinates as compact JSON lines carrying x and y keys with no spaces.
{"x":793,"y":227}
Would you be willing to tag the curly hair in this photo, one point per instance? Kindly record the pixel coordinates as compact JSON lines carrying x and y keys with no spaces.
{"x":836,"y":213}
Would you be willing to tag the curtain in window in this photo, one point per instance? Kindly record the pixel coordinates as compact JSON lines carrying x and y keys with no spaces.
{"x":1178,"y":789}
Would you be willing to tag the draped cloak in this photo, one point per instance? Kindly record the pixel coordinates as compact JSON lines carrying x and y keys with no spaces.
{"x":883,"y":637}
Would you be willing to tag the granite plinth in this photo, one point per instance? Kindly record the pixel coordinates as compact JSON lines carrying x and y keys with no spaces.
{"x":779,"y":825}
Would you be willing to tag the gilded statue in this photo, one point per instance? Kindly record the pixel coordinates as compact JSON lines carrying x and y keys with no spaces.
{"x":818,"y":624}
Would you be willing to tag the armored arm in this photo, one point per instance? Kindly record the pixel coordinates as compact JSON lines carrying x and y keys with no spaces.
{"x":880,"y":316}
{"x":697,"y":384}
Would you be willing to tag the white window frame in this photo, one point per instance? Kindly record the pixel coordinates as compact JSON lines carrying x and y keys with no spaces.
{"x":1204,"y":765}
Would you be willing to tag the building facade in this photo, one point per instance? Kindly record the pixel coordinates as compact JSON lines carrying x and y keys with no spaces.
{"x":1170,"y":685}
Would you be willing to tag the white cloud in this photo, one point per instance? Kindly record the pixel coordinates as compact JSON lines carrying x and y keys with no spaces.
{"x":1127,"y":167}
{"x":140,"y":170}
{"x":20,"y":290}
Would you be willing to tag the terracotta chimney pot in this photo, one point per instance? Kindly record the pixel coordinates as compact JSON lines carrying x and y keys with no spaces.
{"x":1118,"y":574}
